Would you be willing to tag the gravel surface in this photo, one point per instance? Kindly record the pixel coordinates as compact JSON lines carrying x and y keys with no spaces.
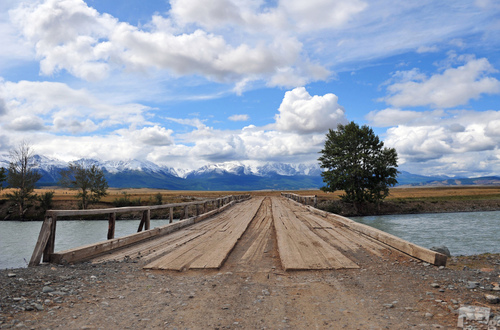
{"x":393,"y":292}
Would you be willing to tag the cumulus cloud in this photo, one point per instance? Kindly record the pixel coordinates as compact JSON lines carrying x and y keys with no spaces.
{"x":453,"y":87}
{"x":74,"y":110}
{"x":3,"y":107}
{"x":154,"y":136}
{"x":26,"y":123}
{"x":239,"y":117}
{"x":69,"y":35}
{"x":443,"y":141}
{"x":295,"y":14}
{"x":300,"y":112}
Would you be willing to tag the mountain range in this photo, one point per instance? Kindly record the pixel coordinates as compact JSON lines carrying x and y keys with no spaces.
{"x":228,"y":176}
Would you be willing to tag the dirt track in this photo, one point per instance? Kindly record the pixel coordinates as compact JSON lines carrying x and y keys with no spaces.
{"x":251,"y":290}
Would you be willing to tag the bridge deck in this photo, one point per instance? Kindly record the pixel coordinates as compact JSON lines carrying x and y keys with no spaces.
{"x":304,"y":240}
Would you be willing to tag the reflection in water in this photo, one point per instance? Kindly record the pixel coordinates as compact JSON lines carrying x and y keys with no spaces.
{"x":464,"y":233}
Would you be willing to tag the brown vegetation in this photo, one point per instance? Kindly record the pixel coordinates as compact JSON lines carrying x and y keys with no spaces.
{"x":400,"y":200}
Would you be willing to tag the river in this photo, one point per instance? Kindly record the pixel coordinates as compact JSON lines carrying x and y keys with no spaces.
{"x":463,"y":233}
{"x":18,"y":238}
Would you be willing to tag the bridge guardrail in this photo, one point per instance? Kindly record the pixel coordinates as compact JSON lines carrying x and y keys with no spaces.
{"x":46,"y":240}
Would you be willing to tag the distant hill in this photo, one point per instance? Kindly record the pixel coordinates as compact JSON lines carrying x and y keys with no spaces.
{"x":225,"y":176}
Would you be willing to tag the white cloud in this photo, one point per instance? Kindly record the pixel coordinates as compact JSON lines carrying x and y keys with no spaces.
{"x":243,"y":117}
{"x":300,"y":112}
{"x":394,"y":117}
{"x":26,"y":123}
{"x":153,"y":136}
{"x":455,"y":86}
{"x":320,"y":14}
{"x":293,"y":14}
{"x":445,"y":143}
{"x":427,"y":49}
{"x":73,"y":110}
{"x":69,"y":35}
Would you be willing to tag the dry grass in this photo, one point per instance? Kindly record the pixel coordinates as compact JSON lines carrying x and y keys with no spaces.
{"x":443,"y":193}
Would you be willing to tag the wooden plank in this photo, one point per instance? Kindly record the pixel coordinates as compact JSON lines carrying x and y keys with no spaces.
{"x":216,"y":240}
{"x":92,"y":250}
{"x":411,"y":249}
{"x":43,"y":238}
{"x":299,"y":247}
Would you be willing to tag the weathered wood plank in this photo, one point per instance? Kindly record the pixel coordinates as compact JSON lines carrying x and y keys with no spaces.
{"x":92,"y":250}
{"x":43,"y":238}
{"x":51,"y":243}
{"x":216,"y":240}
{"x":397,"y":243}
{"x":299,"y":247}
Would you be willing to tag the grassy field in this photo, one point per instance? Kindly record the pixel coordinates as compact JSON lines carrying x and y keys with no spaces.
{"x":423,"y":193}
{"x":400,"y":200}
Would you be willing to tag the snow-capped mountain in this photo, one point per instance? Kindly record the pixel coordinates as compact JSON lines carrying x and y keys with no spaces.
{"x":229,"y":176}
{"x":224,"y":176}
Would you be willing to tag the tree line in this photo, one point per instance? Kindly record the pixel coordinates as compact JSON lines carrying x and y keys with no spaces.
{"x":353,"y":159}
{"x":22,"y":177}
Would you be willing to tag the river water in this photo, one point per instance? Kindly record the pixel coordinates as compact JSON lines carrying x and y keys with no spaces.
{"x":18,"y":239}
{"x":463,"y":233}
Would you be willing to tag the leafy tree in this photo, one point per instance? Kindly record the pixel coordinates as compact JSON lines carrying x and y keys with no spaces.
{"x":89,"y":180}
{"x":3,"y":177}
{"x":46,"y":200}
{"x":357,"y":163}
{"x":22,"y":176}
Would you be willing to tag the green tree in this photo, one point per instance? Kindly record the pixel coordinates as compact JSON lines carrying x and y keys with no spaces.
{"x":357,"y":163}
{"x":3,"y":177}
{"x":89,"y":180}
{"x":46,"y":200}
{"x":22,"y":176}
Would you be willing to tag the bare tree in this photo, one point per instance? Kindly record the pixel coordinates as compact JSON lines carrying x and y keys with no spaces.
{"x":22,"y":175}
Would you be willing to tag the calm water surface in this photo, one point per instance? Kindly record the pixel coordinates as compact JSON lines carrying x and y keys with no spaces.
{"x":464,"y":233}
{"x":18,"y":239}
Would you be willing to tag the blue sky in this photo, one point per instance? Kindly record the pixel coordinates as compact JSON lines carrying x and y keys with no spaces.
{"x":187,"y":83}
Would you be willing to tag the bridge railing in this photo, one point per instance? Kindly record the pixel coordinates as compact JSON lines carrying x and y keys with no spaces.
{"x":46,"y":240}
{"x":306,"y":200}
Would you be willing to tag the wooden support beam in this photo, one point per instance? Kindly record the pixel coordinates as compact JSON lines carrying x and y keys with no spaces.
{"x":43,"y":238}
{"x":111,"y":225}
{"x":171,"y":215}
{"x":186,"y":212}
{"x":146,"y":215}
{"x":51,"y":243}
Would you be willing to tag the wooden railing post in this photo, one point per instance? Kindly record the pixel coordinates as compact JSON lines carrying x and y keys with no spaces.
{"x":51,"y":243}
{"x":186,"y":211}
{"x":147,"y":219}
{"x":111,"y":225}
{"x":171,"y":215}
{"x":43,"y":238}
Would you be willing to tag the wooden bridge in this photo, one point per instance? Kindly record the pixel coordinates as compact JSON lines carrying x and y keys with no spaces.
{"x":307,"y":238}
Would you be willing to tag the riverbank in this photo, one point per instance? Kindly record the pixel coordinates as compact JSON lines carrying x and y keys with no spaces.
{"x":408,"y":206}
